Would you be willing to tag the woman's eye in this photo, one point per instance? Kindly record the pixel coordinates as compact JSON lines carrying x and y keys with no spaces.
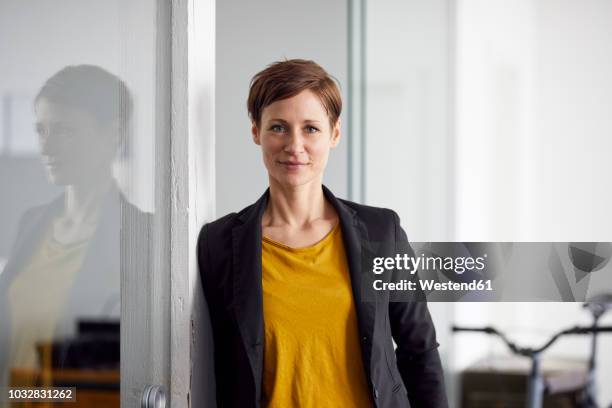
{"x":41,"y":131}
{"x":277,"y":128}
{"x":311,"y":129}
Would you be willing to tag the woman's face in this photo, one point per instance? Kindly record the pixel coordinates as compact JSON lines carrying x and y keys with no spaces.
{"x":295,"y":136}
{"x":75,"y":148}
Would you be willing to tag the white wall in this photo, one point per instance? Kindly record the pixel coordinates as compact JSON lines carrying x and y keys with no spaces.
{"x":251,"y":35}
{"x":572,"y":168}
{"x":408,"y":146}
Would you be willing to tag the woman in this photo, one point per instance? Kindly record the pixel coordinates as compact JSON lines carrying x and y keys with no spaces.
{"x":67,"y":252}
{"x":283,"y":278}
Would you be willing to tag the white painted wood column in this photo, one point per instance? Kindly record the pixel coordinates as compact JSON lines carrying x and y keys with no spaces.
{"x":192,"y":197}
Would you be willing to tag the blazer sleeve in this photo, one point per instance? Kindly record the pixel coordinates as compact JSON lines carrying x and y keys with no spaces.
{"x":417,"y":355}
{"x":204,"y":265}
{"x":202,"y":256}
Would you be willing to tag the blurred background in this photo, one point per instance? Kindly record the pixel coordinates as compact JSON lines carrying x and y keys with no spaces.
{"x":475,"y":120}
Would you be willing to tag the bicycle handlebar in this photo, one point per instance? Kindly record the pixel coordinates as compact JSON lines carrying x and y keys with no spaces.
{"x":526,"y":351}
{"x":571,"y":330}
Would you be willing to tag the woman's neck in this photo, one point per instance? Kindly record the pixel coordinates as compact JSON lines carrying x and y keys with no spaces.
{"x":82,"y":201}
{"x":296,"y":206}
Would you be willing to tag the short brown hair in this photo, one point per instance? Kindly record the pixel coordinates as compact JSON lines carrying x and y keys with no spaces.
{"x":92,"y":89}
{"x":284,"y":79}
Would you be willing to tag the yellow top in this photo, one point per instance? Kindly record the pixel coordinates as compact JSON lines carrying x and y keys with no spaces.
{"x":38,"y":294}
{"x":312,"y":355}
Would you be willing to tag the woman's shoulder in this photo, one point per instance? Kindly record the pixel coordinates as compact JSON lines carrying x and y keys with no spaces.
{"x":217,"y":230}
{"x":381,"y":224}
{"x":370,"y":213}
{"x":222,"y":227}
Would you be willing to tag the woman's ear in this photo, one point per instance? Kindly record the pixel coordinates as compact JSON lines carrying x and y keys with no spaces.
{"x":255,"y":133}
{"x":113,"y":134}
{"x":336,"y":134}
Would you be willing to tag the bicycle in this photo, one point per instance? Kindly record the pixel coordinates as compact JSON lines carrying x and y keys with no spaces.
{"x":535,"y":381}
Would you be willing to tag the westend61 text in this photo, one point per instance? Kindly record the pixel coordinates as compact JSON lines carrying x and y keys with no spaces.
{"x":429,"y":285}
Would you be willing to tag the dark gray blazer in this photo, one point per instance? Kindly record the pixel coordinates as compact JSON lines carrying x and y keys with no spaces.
{"x":229,"y":257}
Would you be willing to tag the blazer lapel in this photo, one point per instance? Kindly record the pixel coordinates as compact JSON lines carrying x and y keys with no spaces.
{"x":355,"y":239}
{"x":247,"y":275}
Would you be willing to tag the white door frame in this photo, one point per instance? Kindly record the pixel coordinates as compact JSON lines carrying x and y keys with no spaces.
{"x":192,"y":197}
{"x":165,"y":335}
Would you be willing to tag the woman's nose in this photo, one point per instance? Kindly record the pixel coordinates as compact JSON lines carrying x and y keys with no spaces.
{"x":295,"y":142}
{"x":48,"y":143}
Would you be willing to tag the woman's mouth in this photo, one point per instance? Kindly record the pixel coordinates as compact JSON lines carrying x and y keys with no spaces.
{"x":292,"y":165}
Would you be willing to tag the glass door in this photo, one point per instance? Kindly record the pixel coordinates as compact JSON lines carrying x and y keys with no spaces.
{"x":84,"y":207}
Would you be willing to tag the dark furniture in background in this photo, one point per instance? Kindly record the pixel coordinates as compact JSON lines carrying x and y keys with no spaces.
{"x":501,"y":382}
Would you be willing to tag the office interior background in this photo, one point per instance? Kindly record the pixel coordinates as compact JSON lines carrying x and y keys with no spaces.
{"x":475,"y":120}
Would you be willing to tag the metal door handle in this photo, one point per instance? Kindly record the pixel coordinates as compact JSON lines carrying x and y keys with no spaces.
{"x":154,"y":396}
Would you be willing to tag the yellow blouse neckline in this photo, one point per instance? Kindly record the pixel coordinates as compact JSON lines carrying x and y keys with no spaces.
{"x":316,"y":245}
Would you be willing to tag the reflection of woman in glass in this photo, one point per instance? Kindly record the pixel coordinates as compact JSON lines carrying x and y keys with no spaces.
{"x":65,"y":260}
{"x":282,"y":277}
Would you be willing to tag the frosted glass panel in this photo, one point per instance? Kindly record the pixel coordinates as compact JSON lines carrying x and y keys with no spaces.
{"x":82,"y":143}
